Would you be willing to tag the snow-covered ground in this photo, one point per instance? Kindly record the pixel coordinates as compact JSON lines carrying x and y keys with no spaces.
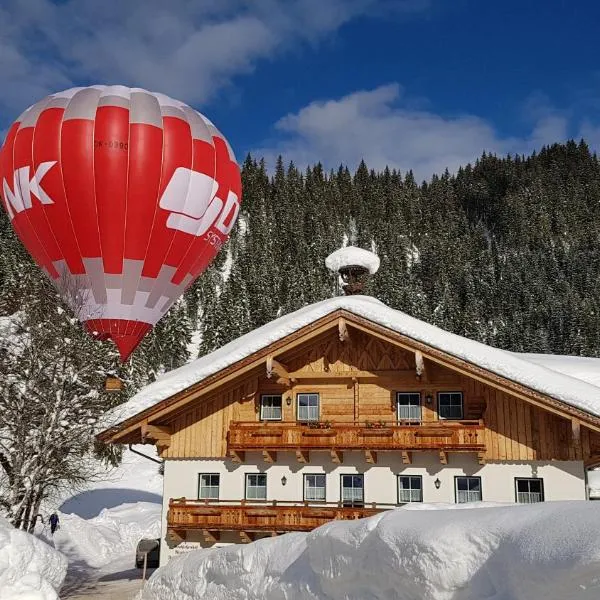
{"x":29,"y":568}
{"x":546,"y":551}
{"x":95,"y":543}
{"x":101,"y":526}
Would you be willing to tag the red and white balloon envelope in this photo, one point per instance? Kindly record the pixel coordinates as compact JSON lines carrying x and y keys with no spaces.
{"x":123,"y":197}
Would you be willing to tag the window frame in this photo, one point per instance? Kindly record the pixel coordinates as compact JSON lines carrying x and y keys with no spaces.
{"x":457,"y":477}
{"x":298,"y":394}
{"x":420,"y":405}
{"x":540,"y":479}
{"x":352,"y":503}
{"x":264,"y":396}
{"x":304,"y":498}
{"x":420,"y":478}
{"x":462,"y":406}
{"x":210,"y":486}
{"x":246,"y":475}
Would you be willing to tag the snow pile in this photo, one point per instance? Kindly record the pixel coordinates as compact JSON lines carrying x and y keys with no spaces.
{"x":29,"y":568}
{"x":114,"y":533}
{"x":506,"y":364}
{"x":352,"y":257}
{"x":549,"y":551}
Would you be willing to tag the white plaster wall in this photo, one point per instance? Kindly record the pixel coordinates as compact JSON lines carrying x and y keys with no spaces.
{"x":563,"y":480}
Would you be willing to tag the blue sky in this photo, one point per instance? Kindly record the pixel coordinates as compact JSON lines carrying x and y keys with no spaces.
{"x":419,"y":84}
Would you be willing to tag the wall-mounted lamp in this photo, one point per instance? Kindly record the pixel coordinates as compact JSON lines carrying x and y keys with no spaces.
{"x":437,"y":484}
{"x":288,"y":400}
{"x":429,"y":398}
{"x":283,"y":480}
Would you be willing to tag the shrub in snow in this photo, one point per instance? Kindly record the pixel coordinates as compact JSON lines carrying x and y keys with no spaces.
{"x":547,"y":551}
{"x":29,"y":568}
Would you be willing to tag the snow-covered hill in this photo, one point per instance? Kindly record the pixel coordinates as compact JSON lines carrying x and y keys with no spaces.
{"x":546,"y":551}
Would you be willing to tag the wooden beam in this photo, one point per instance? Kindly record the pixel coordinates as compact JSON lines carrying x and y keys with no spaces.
{"x":269,"y":456}
{"x":337,"y":457}
{"x":276,"y":367}
{"x":351,"y":375}
{"x":481,"y":458}
{"x":159,"y":435}
{"x":302,"y":456}
{"x":443,"y":457}
{"x":274,"y":534}
{"x":576,"y":431}
{"x":406,"y":457}
{"x":237,"y":456}
{"x":343,"y":330}
{"x":371,"y":457}
{"x":246,"y":537}
{"x":175,"y":535}
{"x":421,"y":372}
{"x":211,"y":536}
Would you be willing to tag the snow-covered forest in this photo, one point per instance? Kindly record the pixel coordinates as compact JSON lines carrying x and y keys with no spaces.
{"x":507,"y":251}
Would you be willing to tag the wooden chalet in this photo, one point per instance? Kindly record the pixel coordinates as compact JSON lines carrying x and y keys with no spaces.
{"x":348,"y":408}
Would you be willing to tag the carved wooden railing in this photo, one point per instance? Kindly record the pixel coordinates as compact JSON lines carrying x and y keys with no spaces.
{"x":256,"y":515}
{"x":409,"y":436}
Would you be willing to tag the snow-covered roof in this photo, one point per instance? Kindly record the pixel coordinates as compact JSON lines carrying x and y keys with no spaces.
{"x":352,"y":257}
{"x":519,"y":368}
{"x":579,"y":367}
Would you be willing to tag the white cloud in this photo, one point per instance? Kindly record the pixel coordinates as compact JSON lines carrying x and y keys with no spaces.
{"x":189,"y":49}
{"x":382,"y":127}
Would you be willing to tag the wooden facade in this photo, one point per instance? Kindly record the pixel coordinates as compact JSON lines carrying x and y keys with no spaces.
{"x":357,"y":380}
{"x":356,"y":368}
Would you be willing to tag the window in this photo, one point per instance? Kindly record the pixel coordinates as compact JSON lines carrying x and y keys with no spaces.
{"x":208,"y":486}
{"x":529,"y":490}
{"x":468,"y":489}
{"x":410,"y":488}
{"x":450,"y":405}
{"x":256,"y":486}
{"x":270,"y":408}
{"x":409,"y":406}
{"x":314,"y":488}
{"x":308,"y":407}
{"x":353,"y":490}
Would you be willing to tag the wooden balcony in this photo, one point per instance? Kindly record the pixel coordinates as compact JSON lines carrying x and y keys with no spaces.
{"x":281,"y":436}
{"x":249,"y":517}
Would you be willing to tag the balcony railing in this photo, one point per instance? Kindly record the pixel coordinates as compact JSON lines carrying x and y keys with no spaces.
{"x":448,"y":436}
{"x":260,"y":516}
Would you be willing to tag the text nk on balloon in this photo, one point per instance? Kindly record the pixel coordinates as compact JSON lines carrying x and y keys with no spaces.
{"x":122,"y":216}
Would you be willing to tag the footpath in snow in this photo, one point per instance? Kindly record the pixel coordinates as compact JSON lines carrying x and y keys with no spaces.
{"x":547,"y":551}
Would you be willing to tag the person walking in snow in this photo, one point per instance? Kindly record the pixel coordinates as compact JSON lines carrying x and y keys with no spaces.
{"x":53,"y":523}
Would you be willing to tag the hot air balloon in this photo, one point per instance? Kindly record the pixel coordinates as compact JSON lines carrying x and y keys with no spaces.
{"x":123,"y":197}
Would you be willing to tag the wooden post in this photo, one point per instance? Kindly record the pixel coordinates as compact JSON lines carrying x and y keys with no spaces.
{"x":576,"y":430}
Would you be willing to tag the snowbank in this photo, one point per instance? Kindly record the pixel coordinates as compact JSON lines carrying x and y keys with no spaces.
{"x":29,"y":568}
{"x":114,"y":533}
{"x":549,"y":551}
{"x":352,"y":257}
{"x":506,"y":364}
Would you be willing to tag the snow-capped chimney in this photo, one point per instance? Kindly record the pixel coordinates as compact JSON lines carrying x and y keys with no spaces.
{"x":354,"y":265}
